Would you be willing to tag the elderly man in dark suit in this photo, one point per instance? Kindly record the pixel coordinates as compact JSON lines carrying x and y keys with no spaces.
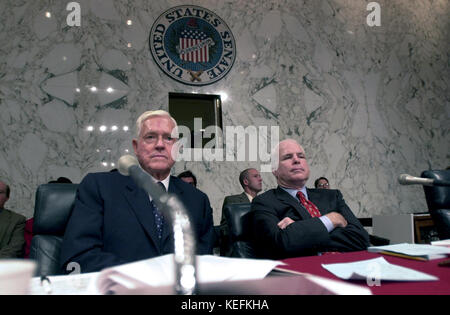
{"x":292,"y":220}
{"x":12,"y":228}
{"x":251,"y":181}
{"x":115,"y":222}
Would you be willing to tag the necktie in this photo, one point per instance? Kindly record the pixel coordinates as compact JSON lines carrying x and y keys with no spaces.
{"x":159,"y":219}
{"x":312,"y":209}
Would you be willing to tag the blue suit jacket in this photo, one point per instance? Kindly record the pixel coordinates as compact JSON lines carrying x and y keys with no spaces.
{"x":112,"y":222}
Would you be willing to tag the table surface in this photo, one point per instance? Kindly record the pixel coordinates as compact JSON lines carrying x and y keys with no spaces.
{"x":312,"y":265}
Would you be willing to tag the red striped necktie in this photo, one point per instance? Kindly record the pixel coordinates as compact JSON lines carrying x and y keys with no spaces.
{"x":312,"y":209}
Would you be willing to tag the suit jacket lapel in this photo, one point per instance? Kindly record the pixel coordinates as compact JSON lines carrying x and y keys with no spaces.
{"x":140,"y":204}
{"x":244,"y":198}
{"x":285,"y":198}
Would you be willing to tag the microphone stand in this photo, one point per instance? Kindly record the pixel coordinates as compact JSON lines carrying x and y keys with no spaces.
{"x":184,"y":237}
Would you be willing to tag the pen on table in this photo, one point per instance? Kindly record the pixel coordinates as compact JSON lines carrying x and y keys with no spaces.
{"x":403,"y":256}
{"x":46,"y":284}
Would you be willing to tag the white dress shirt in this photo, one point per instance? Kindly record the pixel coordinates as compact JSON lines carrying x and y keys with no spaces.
{"x":165,"y":182}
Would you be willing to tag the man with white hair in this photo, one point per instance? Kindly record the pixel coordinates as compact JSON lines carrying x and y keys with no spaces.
{"x":293,"y":220}
{"x":115,"y":222}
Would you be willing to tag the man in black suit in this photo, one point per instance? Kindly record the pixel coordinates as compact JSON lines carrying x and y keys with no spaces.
{"x":292,"y":220}
{"x":251,"y":181}
{"x":115,"y":222}
{"x":12,"y":228}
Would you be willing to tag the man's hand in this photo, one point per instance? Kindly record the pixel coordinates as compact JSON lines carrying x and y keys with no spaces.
{"x":285,"y":222}
{"x":337,"y":219}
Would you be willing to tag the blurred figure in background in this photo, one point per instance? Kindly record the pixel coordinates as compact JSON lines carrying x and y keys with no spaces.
{"x":322,"y":182}
{"x":188,"y":177}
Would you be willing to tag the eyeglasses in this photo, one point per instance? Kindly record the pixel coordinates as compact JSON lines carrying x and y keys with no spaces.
{"x":153,"y":138}
{"x":323,"y":185}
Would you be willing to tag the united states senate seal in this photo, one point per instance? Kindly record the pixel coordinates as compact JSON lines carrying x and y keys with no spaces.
{"x":192,"y":45}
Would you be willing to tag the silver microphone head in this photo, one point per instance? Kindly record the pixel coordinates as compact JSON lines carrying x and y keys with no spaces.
{"x":402,"y":178}
{"x":125,"y":162}
{"x":405,"y":179}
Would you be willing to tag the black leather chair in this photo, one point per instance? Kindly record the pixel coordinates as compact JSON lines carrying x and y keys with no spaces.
{"x":438,"y":201}
{"x":237,"y":216}
{"x":373,"y":239}
{"x":54,"y":202}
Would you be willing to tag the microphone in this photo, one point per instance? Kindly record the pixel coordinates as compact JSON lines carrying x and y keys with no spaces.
{"x":128,"y":165}
{"x":173,"y":209}
{"x":405,"y":179}
{"x":125,"y":162}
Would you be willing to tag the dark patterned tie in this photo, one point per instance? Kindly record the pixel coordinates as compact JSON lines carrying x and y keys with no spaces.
{"x":312,"y":209}
{"x":159,"y":219}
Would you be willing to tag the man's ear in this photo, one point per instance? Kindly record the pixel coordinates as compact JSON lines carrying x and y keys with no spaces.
{"x":135,"y":145}
{"x":275,"y":173}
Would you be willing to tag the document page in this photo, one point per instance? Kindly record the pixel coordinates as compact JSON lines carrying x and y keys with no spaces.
{"x":414,"y":250}
{"x":445,"y":243}
{"x":377,"y":268}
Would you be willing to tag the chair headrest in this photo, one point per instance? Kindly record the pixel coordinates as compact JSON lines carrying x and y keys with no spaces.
{"x":438,"y":197}
{"x":54,"y":203}
{"x":237,"y":216}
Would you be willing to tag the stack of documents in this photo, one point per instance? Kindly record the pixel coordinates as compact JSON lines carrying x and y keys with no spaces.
{"x":412,"y":251}
{"x":153,"y":272}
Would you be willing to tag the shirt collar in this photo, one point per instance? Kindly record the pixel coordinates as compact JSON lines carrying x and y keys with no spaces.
{"x":165,"y":181}
{"x":249,"y":196}
{"x":293,"y":192}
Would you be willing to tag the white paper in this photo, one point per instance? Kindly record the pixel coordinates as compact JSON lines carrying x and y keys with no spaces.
{"x":339,"y":287}
{"x":160,"y":271}
{"x":445,"y":243}
{"x":377,"y":268}
{"x":62,"y":285}
{"x":416,"y":250}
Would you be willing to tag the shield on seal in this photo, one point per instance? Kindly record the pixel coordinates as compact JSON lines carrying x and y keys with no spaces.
{"x":194,"y":44}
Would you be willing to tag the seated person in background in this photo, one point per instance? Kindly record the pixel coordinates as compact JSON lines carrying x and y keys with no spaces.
{"x":188,"y":177}
{"x":12,"y":228}
{"x":322,"y":182}
{"x":251,"y":182}
{"x":115,"y":222}
{"x":291,"y":220}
